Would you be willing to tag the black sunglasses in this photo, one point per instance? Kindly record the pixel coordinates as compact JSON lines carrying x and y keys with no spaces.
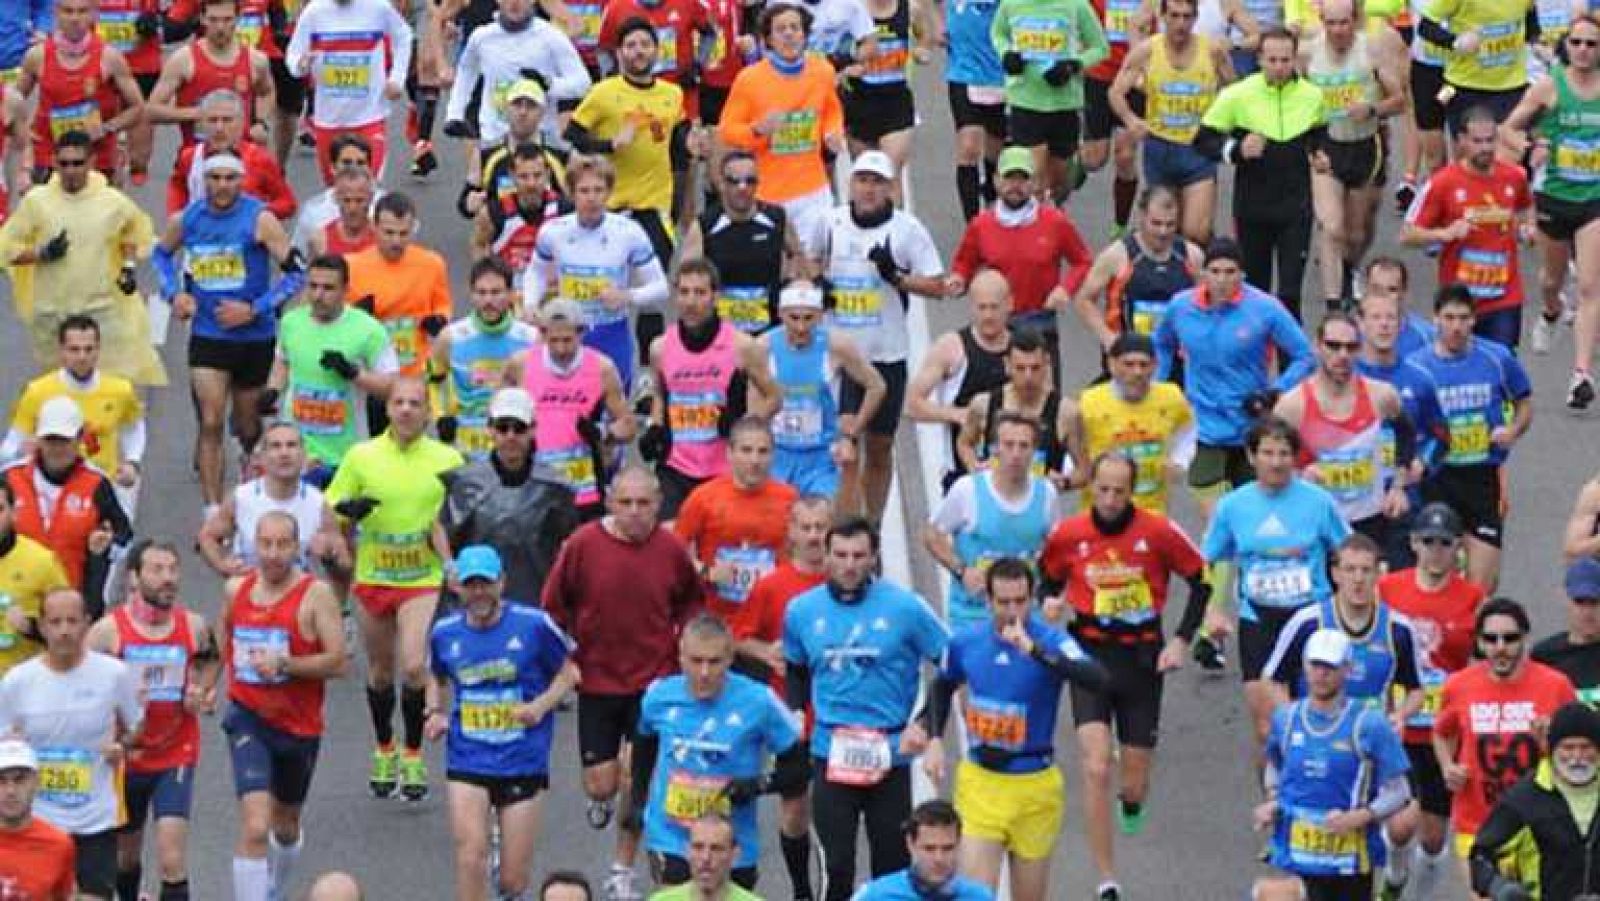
{"x":1346,"y":346}
{"x":1437,"y":541}
{"x":509,"y":425}
{"x":71,"y":164}
{"x":742,"y":180}
{"x":1584,"y":42}
{"x":1500,"y":637}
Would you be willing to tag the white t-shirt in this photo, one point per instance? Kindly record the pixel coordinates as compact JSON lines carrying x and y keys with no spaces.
{"x":343,"y":46}
{"x":68,"y":718}
{"x":867,"y":309}
{"x":958,"y":512}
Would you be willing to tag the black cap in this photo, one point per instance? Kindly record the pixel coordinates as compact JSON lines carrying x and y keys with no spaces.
{"x":1132,"y":343}
{"x":1575,"y":719}
{"x":1224,"y":248}
{"x":1437,"y":520}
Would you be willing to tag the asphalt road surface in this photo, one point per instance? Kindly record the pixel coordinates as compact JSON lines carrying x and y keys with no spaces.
{"x":1198,"y":844}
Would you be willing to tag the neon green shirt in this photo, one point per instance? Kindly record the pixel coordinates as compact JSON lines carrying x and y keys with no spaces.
{"x":685,"y":892}
{"x":318,"y":400}
{"x":393,"y":546}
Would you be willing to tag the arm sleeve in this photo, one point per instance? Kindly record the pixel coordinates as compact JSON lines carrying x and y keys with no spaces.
{"x":1065,"y":657}
{"x":1182,"y":445}
{"x":1406,"y":673}
{"x":579,"y":135}
{"x":1283,"y":665}
{"x":796,"y":685}
{"x":1392,"y":795}
{"x":1194,"y":606}
{"x":131,"y":437}
{"x":646,"y":748}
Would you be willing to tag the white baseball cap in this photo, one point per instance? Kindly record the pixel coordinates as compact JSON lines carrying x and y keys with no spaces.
{"x":59,"y":418}
{"x":15,"y":754}
{"x":1329,"y":647}
{"x":512,"y":403}
{"x":874,"y":162}
{"x":800,"y":294}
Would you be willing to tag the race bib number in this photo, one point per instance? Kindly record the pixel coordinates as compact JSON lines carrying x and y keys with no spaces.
{"x":1469,"y":439}
{"x":1147,"y":315}
{"x":319,"y":411}
{"x":1039,"y":39}
{"x":1119,"y":25}
{"x":576,"y":466}
{"x":248,"y":639}
{"x":1432,"y":691}
{"x":1149,"y":466}
{"x":1131,"y":602}
{"x":346,"y":74}
{"x":799,"y":421}
{"x":889,"y":66}
{"x":746,"y":566}
{"x":250,"y":29}
{"x":1340,"y":91}
{"x":1310,"y":843}
{"x":996,"y":724}
{"x":84,"y":117}
{"x":1346,"y":475}
{"x":585,"y":285}
{"x":163,"y":670}
{"x":858,"y":757}
{"x":1278,"y":583}
{"x":118,"y":30}
{"x":399,"y":556}
{"x":489,"y":715}
{"x":745,"y":307}
{"x":1178,"y":107}
{"x":404,"y":338}
{"x":858,"y":301}
{"x":693,"y":417}
{"x":796,"y":134}
{"x":217,"y":268}
{"x":1577,"y":160}
{"x":1501,"y":45}
{"x":667,"y":56}
{"x":589,"y":14}
{"x":1486,"y":273}
{"x":66,"y":776}
{"x":690,"y":797}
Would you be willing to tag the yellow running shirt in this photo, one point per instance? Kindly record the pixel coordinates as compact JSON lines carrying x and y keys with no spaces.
{"x":1142,"y":430}
{"x":108,"y":406}
{"x":394,"y":542}
{"x":1501,"y":63}
{"x":1175,"y":98}
{"x":644,"y":166}
{"x":27,"y":571}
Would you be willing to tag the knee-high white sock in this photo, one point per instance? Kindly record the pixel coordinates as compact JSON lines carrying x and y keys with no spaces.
{"x":251,"y":880}
{"x":1398,"y":869}
{"x":280,"y":862}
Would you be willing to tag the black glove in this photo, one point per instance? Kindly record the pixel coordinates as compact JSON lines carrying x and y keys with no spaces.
{"x":55,"y":248}
{"x":367,"y":304}
{"x":1260,"y":403}
{"x":148,"y":25}
{"x":535,"y":76}
{"x":434,"y":324}
{"x":743,"y":791}
{"x":335,"y":361}
{"x":457,"y":128}
{"x":641,"y":407}
{"x":841,"y":61}
{"x":1013,"y":63}
{"x":356,"y":508}
{"x":1061,"y":72}
{"x":127,"y":279}
{"x":654,"y":443}
{"x":467,"y":190}
{"x":829,"y":298}
{"x":589,"y":431}
{"x":267,"y":402}
{"x":882,"y":256}
{"x":446,"y":427}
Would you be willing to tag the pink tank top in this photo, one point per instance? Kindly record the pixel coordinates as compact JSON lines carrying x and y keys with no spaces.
{"x":697,"y":390}
{"x":560,"y":401}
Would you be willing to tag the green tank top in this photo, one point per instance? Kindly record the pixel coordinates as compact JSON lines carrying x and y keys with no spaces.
{"x":1573,"y":129}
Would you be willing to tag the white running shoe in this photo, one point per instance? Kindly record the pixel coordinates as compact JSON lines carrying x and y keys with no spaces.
{"x":622,"y":884}
{"x":1543,"y":332}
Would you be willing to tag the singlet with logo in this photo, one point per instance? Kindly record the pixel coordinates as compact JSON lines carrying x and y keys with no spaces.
{"x":698,"y":386}
{"x":807,"y":418}
{"x":1137,"y":298}
{"x":161,"y":667}
{"x":1176,"y":97}
{"x":749,"y":258}
{"x":1573,"y":129}
{"x":1344,"y":82}
{"x":998,"y":528}
{"x":1348,"y":452}
{"x":251,"y":502}
{"x":283,"y":702}
{"x":478,"y":355}
{"x":561,"y":399}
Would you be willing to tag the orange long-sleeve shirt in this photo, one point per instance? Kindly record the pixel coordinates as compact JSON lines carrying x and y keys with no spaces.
{"x":790,"y":159}
{"x":404,"y":293}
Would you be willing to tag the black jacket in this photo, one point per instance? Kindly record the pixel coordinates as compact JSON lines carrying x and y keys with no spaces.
{"x":526,"y":523}
{"x":1533,"y":822}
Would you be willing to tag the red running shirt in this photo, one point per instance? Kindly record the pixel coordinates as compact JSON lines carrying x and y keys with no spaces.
{"x":1486,"y":260}
{"x":1442,"y":623}
{"x":292,"y":705}
{"x":170,"y":736}
{"x":762,"y":616}
{"x":1120,"y":581}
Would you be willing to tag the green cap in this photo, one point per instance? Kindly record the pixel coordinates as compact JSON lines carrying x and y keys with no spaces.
{"x":1015,"y":159}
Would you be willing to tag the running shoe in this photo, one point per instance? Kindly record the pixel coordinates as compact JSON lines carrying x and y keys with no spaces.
{"x":413,"y":777}
{"x":1208,"y":652}
{"x":622,"y":884}
{"x":1544,"y":330}
{"x":644,"y":385}
{"x":1580,"y":393}
{"x":1388,"y":891}
{"x":1108,"y":891}
{"x":599,"y":812}
{"x":1131,"y":817}
{"x":423,"y":161}
{"x":1404,"y":194}
{"x":385,"y":773}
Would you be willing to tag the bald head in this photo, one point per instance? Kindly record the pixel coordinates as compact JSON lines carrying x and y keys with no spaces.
{"x":989,"y":285}
{"x":335,"y":886}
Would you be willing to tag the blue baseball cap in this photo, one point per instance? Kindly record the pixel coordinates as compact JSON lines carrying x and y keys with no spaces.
{"x":1583,"y":580}
{"x":478,"y":561}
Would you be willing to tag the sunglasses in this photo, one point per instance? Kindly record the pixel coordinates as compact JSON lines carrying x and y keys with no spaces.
{"x":1436,"y":541}
{"x":509,"y":425}
{"x":70,"y":164}
{"x":1349,"y":347}
{"x":744,"y":181}
{"x":1584,"y":42}
{"x":1493,"y":638}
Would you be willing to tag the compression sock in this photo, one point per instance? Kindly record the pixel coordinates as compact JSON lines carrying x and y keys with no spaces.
{"x":1398,"y":869}
{"x":989,"y":175}
{"x":175,"y":891}
{"x":280,"y":862}
{"x":128,"y":882}
{"x":967,"y":188}
{"x":413,"y":701}
{"x":380,"y":701}
{"x":1124,"y":191}
{"x":797,"y":860}
{"x":427,"y":111}
{"x":252,"y":881}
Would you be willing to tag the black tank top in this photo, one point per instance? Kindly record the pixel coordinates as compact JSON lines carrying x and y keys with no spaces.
{"x":1050,"y":436}
{"x":1152,"y":280}
{"x":984,"y":372}
{"x":894,"y":39}
{"x":747,"y":254}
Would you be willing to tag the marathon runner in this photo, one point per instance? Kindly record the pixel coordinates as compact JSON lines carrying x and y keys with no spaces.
{"x":1486,"y":400}
{"x":502,"y":667}
{"x":1131,"y":414}
{"x":705,"y":372}
{"x":81,"y":711}
{"x":583,"y":411}
{"x":228,"y":241}
{"x":524,"y":112}
{"x":173,"y":657}
{"x":327,"y":354}
{"x":347,"y":152}
{"x":1113,"y":565}
{"x":36,"y":859}
{"x":1027,"y":393}
{"x":1125,"y":23}
{"x":470,"y":356}
{"x":1007,"y":786}
{"x":623,"y":588}
{"x":356,"y":53}
{"x":221,"y":122}
{"x":1138,"y":274}
{"x":282,"y":640}
{"x":228,"y":538}
{"x":1004,"y":510}
{"x":962,"y":364}
{"x":813,"y":438}
{"x":1573,"y":650}
{"x":704,"y":737}
{"x":1179,"y":73}
{"x":1583,"y":525}
{"x":736,"y":524}
{"x":1441,"y":605}
{"x":933,"y":850}
{"x":507,"y":224}
{"x":1567,"y":201}
{"x":28,"y":571}
{"x":219,"y":60}
{"x":601,"y":260}
{"x":1281,"y":531}
{"x":504,"y":500}
{"x":84,"y":85}
{"x":1487,"y":63}
{"x":880,"y":112}
{"x":136,"y":28}
{"x":351,"y":230}
{"x":976,"y":85}
{"x":1335,"y":773}
{"x":518,"y":45}
{"x":852,"y":650}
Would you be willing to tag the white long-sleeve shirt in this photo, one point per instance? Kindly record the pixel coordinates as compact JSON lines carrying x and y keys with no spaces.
{"x":498,"y":57}
{"x":340,"y":43}
{"x":616,"y":252}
